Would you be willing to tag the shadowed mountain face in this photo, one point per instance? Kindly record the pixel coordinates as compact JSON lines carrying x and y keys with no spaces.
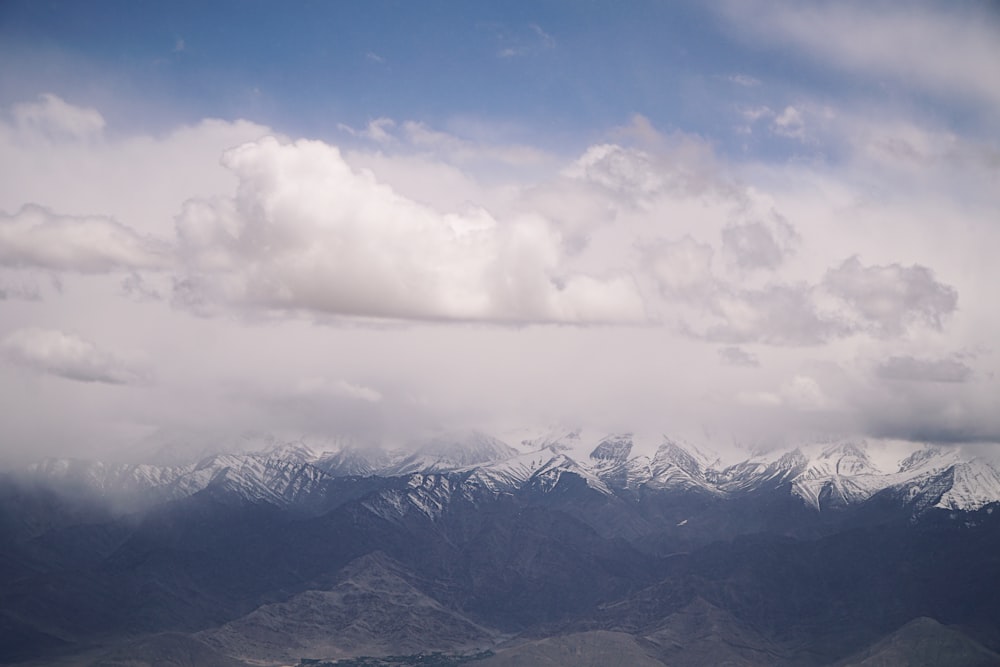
{"x":702,"y":634}
{"x":923,"y":642}
{"x":373,"y":609}
{"x":537,"y":556}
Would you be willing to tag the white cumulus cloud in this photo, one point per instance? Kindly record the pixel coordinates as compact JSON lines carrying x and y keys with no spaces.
{"x":308,"y":232}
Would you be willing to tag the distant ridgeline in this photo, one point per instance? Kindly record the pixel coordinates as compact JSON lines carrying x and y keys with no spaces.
{"x":463,"y":549}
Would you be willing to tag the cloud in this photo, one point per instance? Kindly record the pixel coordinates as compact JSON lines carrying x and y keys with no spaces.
{"x":790,"y":123}
{"x":945,"y":49}
{"x":922,"y":400}
{"x":320,"y":387}
{"x":804,"y":393}
{"x":378,"y":130}
{"x":887,"y":300}
{"x":53,"y":118}
{"x":37,"y":238}
{"x":744,"y":80}
{"x":800,"y":393}
{"x":547,"y":40}
{"x":357,"y":392}
{"x":53,"y":352}
{"x":899,"y":143}
{"x":913,"y":369}
{"x":759,"y":399}
{"x":759,"y":245}
{"x":737,"y":356}
{"x":320,"y":405}
{"x":524,"y":42}
{"x":134,"y":180}
{"x":14,"y":286}
{"x":880,"y":142}
{"x":627,"y":172}
{"x":465,"y":151}
{"x":882,"y":301}
{"x":777,"y":314}
{"x":135,"y":286}
{"x":680,"y":165}
{"x":307,"y":232}
{"x":681,"y":269}
{"x":297,"y":246}
{"x":753,"y":114}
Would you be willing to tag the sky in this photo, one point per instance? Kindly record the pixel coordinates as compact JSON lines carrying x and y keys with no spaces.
{"x":734,"y":222}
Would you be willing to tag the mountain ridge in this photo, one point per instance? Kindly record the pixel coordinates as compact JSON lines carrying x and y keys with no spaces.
{"x":822,"y":476}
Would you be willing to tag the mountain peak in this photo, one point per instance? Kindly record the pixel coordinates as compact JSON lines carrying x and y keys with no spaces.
{"x":921,"y":457}
{"x":670,"y":453}
{"x":975,"y":484}
{"x":454,"y":451}
{"x":613,"y":449}
{"x":296,"y":451}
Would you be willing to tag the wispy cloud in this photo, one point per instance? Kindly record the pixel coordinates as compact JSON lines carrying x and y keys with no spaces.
{"x":744,"y":80}
{"x":68,"y":356}
{"x":53,"y":117}
{"x":378,"y":130}
{"x":944,"y":49}
{"x":36,"y":237}
{"x":525,"y":42}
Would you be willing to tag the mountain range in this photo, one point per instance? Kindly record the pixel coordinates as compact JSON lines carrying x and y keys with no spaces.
{"x":560,"y":548}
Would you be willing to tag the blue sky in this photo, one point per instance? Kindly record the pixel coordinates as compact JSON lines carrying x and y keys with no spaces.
{"x":744,"y":222}
{"x":549,"y":71}
{"x":306,"y":66}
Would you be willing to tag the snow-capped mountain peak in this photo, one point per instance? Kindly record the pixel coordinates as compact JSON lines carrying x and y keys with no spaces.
{"x":614,"y":449}
{"x":975,"y":484}
{"x":297,"y":451}
{"x":452,"y":451}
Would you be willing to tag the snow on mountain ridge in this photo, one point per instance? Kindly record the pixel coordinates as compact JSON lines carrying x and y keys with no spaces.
{"x":510,"y":474}
{"x":254,"y":477}
{"x":841,"y":474}
{"x":975,"y":484}
{"x":452,"y":451}
{"x":823,"y":475}
{"x":549,"y":475}
{"x":676,"y":466}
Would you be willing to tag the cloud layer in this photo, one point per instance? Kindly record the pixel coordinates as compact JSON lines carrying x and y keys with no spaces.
{"x":414,"y":277}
